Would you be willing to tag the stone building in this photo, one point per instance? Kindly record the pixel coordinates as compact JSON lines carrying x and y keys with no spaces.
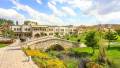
{"x":33,"y":30}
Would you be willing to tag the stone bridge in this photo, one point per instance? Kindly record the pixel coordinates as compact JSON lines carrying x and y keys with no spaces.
{"x":46,"y":42}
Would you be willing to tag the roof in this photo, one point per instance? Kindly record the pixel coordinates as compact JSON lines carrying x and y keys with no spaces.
{"x":39,"y":26}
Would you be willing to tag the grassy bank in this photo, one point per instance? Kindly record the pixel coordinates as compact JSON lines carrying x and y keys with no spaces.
{"x":2,"y":45}
{"x":71,"y":58}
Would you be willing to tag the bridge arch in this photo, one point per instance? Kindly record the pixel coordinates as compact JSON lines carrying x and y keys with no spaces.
{"x":55,"y":47}
{"x":46,"y":42}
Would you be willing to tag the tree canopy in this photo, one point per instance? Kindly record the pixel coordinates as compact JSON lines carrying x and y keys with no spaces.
{"x":118,"y":31}
{"x":111,"y":36}
{"x":3,"y":21}
{"x":92,"y":40}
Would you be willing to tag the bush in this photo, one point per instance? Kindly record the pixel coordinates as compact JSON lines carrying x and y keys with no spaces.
{"x":71,"y":62}
{"x":80,"y":52}
{"x":49,"y":63}
{"x":93,"y":65}
{"x":55,"y":63}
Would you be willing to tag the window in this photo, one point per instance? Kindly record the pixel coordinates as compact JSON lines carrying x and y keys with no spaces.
{"x":19,"y":29}
{"x":15,"y":29}
{"x":28,"y":29}
{"x":62,"y":29}
{"x":25,"y":29}
{"x":50,"y":33}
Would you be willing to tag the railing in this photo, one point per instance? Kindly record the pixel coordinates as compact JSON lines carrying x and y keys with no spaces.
{"x":47,"y":38}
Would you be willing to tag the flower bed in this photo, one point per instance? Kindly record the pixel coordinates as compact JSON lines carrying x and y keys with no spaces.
{"x":43,"y":60}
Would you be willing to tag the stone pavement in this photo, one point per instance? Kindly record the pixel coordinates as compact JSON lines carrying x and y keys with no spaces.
{"x":13,"y":57}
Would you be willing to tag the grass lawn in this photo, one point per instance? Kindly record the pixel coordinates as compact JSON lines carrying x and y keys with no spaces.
{"x":113,"y":53}
{"x":2,"y":45}
{"x":74,"y":38}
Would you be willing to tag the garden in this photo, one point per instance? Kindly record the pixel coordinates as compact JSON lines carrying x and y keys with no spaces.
{"x":102,"y":51}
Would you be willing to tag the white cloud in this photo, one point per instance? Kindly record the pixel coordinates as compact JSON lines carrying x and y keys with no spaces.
{"x":39,"y":1}
{"x":55,"y":10}
{"x":11,"y":14}
{"x":106,"y":17}
{"x":82,"y":4}
{"x":105,"y":10}
{"x":101,"y":10}
{"x":38,"y":16}
{"x":61,"y":1}
{"x":68,"y":11}
{"x":53,"y":2}
{"x":52,"y":7}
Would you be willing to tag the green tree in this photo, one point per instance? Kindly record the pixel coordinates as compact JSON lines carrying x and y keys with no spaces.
{"x":26,"y":22}
{"x":10,"y":22}
{"x":111,"y":36}
{"x":8,"y":33}
{"x":118,"y":31}
{"x":91,"y":40}
{"x":3,"y":21}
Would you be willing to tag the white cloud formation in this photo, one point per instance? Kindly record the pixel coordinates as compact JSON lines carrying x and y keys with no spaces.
{"x":68,"y":11}
{"x":39,"y":1}
{"x":38,"y":16}
{"x":53,"y":8}
{"x":11,"y":14}
{"x":101,"y":10}
{"x":61,"y":1}
{"x":82,"y":4}
{"x":105,"y":10}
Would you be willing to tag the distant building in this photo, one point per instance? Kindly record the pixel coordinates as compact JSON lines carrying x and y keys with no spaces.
{"x":33,"y":30}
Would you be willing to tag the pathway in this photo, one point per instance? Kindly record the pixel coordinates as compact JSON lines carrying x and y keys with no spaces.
{"x":12,"y":57}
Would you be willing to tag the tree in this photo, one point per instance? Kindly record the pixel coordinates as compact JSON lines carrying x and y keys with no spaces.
{"x":10,"y":22}
{"x":91,"y":40}
{"x":111,"y":36}
{"x":4,"y":21}
{"x":118,"y":31}
{"x":8,"y":33}
{"x":26,"y":22}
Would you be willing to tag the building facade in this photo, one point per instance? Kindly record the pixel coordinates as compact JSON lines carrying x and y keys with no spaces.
{"x":35,"y":31}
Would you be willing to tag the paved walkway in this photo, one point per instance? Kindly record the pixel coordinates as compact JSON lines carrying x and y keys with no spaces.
{"x":12,"y":57}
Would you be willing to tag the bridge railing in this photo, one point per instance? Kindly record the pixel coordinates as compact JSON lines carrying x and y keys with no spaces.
{"x":36,"y":39}
{"x":47,"y":38}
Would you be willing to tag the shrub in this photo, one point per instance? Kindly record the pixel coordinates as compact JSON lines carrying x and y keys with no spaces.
{"x":93,"y":65}
{"x":71,"y":62}
{"x":49,"y":63}
{"x":55,"y":63}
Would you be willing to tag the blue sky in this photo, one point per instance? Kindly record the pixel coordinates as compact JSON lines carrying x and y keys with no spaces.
{"x":62,"y":12}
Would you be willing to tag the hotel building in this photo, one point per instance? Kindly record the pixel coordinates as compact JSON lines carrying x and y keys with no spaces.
{"x":33,"y":30}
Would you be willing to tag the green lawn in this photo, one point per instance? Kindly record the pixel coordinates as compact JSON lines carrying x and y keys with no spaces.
{"x":2,"y":45}
{"x":113,"y":53}
{"x":75,"y":38}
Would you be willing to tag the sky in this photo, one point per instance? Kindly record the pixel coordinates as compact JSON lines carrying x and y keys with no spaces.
{"x":62,"y":12}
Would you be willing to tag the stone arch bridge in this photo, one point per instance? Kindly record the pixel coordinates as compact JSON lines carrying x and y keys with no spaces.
{"x":46,"y":42}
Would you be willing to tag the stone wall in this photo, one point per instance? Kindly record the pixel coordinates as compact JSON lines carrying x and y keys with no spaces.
{"x":45,"y":43}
